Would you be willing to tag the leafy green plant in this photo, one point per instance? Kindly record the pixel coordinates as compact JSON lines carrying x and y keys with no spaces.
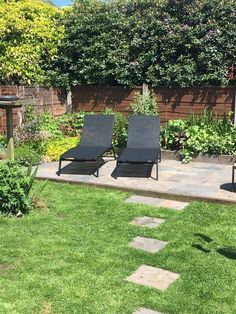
{"x":25,"y":155}
{"x":71,"y":124}
{"x":120,"y":130}
{"x":173,"y":134}
{"x":2,"y":147}
{"x":29,"y":130}
{"x":144,"y":104}
{"x":206,"y":134}
{"x":162,"y":43}
{"x":15,"y":186}
{"x":56,"y":147}
{"x":29,"y":36}
{"x":49,"y":124}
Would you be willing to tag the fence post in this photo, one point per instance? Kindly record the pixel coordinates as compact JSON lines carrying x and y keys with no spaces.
{"x":69,"y":108}
{"x":144,"y":88}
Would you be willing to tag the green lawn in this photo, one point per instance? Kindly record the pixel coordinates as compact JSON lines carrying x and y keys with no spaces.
{"x":74,"y":256}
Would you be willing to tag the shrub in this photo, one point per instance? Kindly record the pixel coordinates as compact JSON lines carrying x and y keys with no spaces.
{"x":26,"y":154}
{"x":31,"y":127}
{"x":15,"y":185}
{"x":173,"y":134}
{"x":120,"y":131}
{"x":29,"y":35}
{"x":50,"y":125}
{"x":2,"y":147}
{"x":71,"y":124}
{"x":55,"y":147}
{"x":206,"y":134}
{"x":144,"y":104}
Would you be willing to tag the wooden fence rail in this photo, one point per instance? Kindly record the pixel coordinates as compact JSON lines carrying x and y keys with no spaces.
{"x":44,"y":99}
{"x":173,"y":103}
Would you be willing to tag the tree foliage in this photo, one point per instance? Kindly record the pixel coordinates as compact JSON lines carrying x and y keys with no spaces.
{"x":29,"y":36}
{"x":169,"y":43}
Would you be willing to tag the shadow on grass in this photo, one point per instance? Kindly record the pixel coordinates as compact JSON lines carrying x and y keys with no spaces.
{"x":226,"y":251}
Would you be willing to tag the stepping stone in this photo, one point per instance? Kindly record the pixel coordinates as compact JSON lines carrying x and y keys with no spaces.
{"x":147,"y":244}
{"x":146,"y":311}
{"x":145,"y":221}
{"x":156,"y":202}
{"x":153,"y":277}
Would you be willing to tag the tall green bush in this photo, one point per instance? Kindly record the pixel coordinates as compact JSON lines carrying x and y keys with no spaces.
{"x":162,"y":43}
{"x":29,"y":35}
{"x":144,"y":104}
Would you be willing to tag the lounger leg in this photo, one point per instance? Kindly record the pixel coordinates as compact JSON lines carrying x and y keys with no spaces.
{"x":233,"y":169}
{"x":59,"y":169}
{"x":157,"y":170}
{"x":97,"y":163}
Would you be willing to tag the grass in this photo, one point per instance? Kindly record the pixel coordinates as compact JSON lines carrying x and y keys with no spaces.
{"x":74,"y":256}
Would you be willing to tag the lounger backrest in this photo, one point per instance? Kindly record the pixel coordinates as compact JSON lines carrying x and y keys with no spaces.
{"x":97,"y":131}
{"x":143,"y":131}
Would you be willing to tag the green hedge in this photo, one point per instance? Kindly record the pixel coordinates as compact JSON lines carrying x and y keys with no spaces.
{"x":163,"y":43}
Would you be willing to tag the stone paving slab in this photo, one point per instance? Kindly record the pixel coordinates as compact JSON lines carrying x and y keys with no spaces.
{"x":196,"y":180}
{"x":148,"y":244}
{"x":156,"y":202}
{"x":153,"y":277}
{"x":146,"y":311}
{"x":146,"y":221}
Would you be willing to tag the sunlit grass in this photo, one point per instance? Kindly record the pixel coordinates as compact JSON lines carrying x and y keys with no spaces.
{"x":74,"y":256}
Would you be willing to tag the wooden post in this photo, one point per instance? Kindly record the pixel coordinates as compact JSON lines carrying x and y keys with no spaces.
{"x":10,"y":143}
{"x":144,"y":88}
{"x":69,"y":108}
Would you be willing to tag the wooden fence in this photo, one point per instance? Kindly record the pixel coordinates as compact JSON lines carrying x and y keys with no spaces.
{"x":172,"y":103}
{"x":44,"y":99}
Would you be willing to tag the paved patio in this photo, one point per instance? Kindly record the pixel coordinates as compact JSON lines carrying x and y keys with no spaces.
{"x":195,"y":180}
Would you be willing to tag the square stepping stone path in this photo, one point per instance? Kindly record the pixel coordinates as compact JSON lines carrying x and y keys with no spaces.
{"x":149,"y":222}
{"x":156,"y":202}
{"x":148,"y":244}
{"x":153,"y":277}
{"x":145,"y":311}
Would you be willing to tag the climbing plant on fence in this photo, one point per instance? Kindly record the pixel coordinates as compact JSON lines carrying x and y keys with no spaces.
{"x":169,"y":43}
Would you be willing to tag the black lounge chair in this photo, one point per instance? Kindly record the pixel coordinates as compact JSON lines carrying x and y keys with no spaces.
{"x":95,"y":141}
{"x":143,"y":145}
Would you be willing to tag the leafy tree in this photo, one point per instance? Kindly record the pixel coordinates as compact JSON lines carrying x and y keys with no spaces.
{"x":95,"y":48}
{"x":29,"y":35}
{"x":49,"y":2}
{"x":159,"y":42}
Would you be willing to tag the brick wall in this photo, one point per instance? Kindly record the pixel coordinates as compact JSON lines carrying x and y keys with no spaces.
{"x":44,"y":99}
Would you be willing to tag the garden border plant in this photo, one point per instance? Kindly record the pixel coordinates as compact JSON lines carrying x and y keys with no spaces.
{"x":15,"y":187}
{"x":206,"y":134}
